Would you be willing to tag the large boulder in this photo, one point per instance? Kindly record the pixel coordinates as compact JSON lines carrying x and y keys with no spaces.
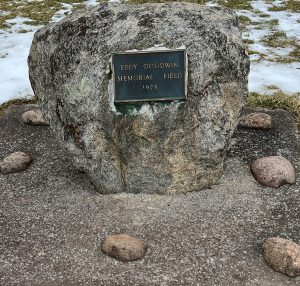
{"x":153,"y":148}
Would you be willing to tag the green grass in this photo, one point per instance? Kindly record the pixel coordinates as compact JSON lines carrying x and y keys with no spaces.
{"x":22,"y":31}
{"x":245,"y":21}
{"x":78,"y":6}
{"x":273,"y":22}
{"x":248,"y":41}
{"x":264,"y":15}
{"x":259,"y":28}
{"x":278,"y":40}
{"x":295,"y":53}
{"x":3,"y":18}
{"x":272,"y":25}
{"x":40,"y":12}
{"x":260,"y":54}
{"x":277,"y":100}
{"x":9,"y":103}
{"x":236,"y":4}
{"x":291,"y":5}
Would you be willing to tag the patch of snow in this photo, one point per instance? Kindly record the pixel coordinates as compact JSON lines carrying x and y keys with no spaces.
{"x":59,"y":15}
{"x":288,"y":23}
{"x":18,"y":21}
{"x":4,"y":13}
{"x":287,"y":20}
{"x":14,"y":47}
{"x":263,"y":74}
{"x":114,"y":1}
{"x":157,"y":47}
{"x":211,"y":3}
{"x":271,"y":53}
{"x":261,"y":5}
{"x":14,"y":50}
{"x":92,"y":2}
{"x":255,"y":35}
{"x":259,"y":48}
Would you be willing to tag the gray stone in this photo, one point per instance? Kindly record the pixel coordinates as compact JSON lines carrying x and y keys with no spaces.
{"x":124,"y":247}
{"x":33,"y":117}
{"x":273,"y":171}
{"x":15,"y":162}
{"x":158,"y":148}
{"x":282,"y":255}
{"x":257,"y":120}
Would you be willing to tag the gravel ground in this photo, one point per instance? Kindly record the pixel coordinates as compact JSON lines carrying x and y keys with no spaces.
{"x":52,"y":220}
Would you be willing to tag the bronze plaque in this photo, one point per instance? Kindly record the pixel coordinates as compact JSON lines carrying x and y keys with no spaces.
{"x":150,"y":76}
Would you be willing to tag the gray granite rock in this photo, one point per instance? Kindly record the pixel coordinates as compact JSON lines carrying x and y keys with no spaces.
{"x":282,"y":255}
{"x":124,"y":247}
{"x":153,"y":148}
{"x":33,"y":117}
{"x":15,"y":162}
{"x":273,"y":171}
{"x":256,"y":120}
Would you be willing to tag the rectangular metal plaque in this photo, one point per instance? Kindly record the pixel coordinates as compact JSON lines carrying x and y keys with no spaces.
{"x":150,"y":76}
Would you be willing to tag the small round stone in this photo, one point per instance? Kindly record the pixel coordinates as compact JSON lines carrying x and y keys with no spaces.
{"x":15,"y":162}
{"x":282,"y":255}
{"x":124,"y":247}
{"x":33,"y":117}
{"x":273,"y":171}
{"x":257,"y":120}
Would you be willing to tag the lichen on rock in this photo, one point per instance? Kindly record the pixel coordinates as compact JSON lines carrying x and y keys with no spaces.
{"x":161,"y":148}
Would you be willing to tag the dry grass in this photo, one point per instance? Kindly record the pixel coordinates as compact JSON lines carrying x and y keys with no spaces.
{"x":277,"y":100}
{"x":7,"y":104}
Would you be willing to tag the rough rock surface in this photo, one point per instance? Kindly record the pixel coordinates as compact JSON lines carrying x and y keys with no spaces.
{"x":33,"y":117}
{"x":257,"y":120}
{"x":124,"y":247}
{"x":157,"y":148}
{"x":273,"y":171}
{"x":15,"y":162}
{"x":282,"y":255}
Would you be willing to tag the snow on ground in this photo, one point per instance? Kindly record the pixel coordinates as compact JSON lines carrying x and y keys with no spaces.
{"x":284,"y":76}
{"x":264,"y":73}
{"x":92,"y":2}
{"x":67,"y":8}
{"x":15,"y":45}
{"x":14,"y":49}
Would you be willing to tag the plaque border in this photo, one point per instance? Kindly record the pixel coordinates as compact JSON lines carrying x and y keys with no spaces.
{"x":151,"y":52}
